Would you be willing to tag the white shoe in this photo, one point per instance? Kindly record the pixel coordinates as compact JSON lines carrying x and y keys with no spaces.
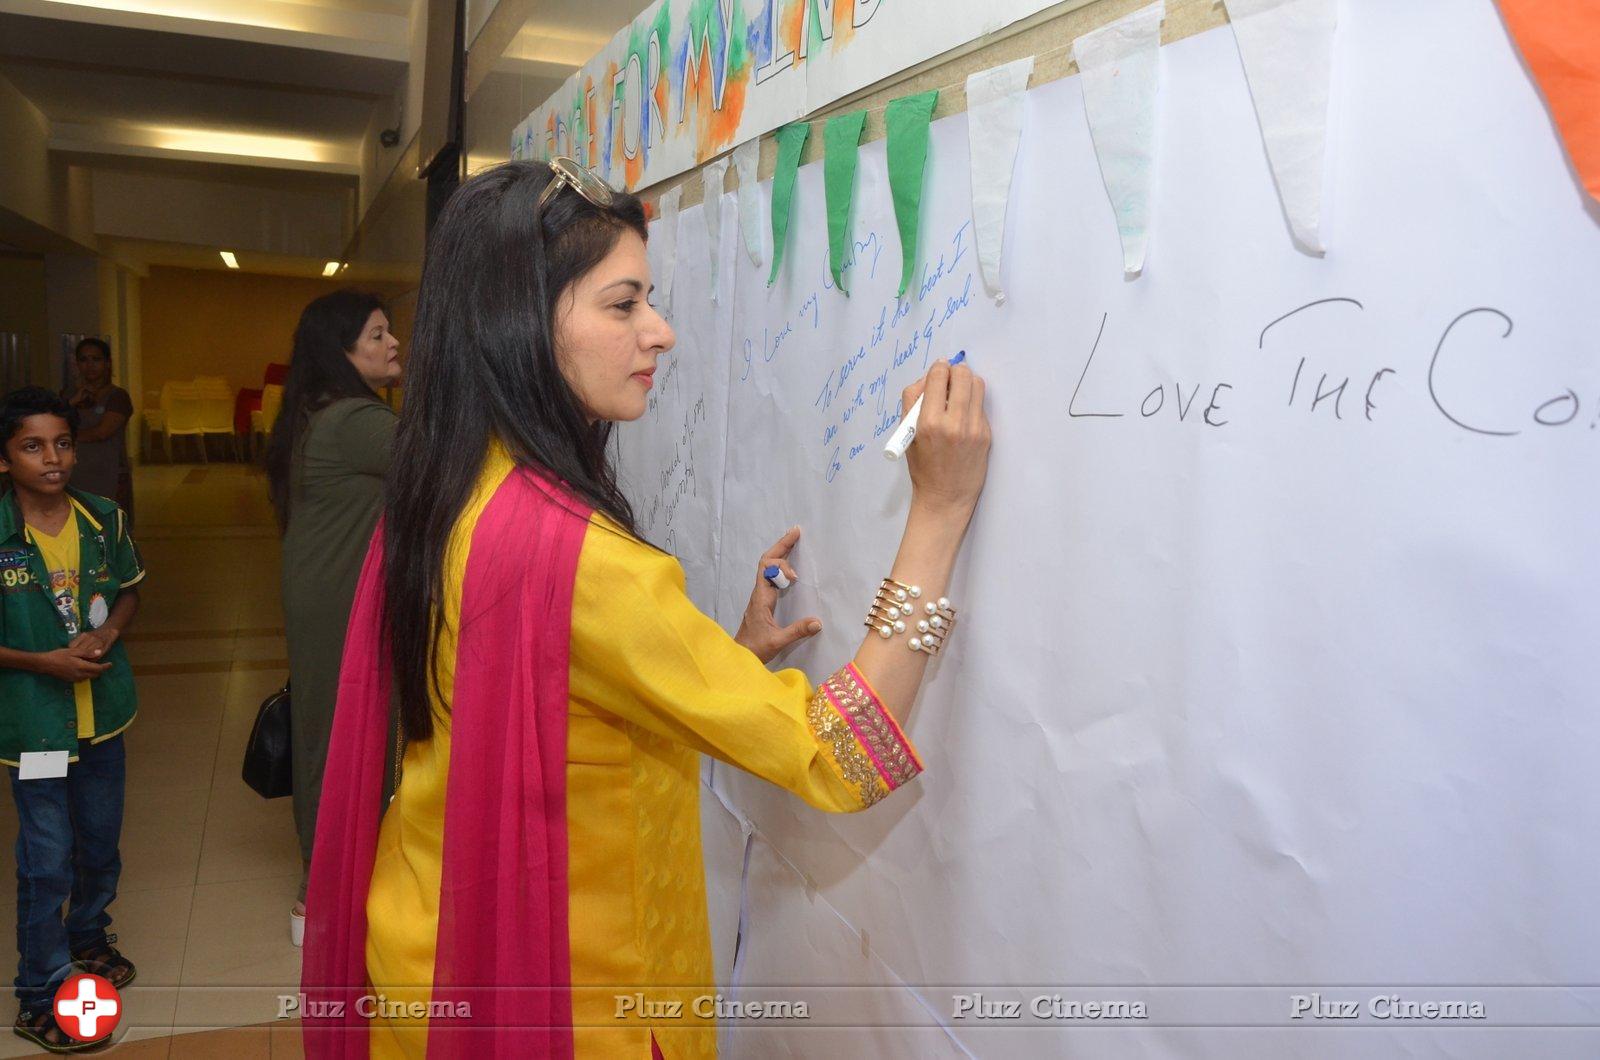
{"x":297,"y":928}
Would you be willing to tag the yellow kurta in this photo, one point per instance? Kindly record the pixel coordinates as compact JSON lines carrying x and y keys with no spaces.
{"x":653,"y":683}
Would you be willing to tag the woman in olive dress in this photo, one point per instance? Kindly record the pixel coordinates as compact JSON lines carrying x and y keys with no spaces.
{"x":325,"y":465}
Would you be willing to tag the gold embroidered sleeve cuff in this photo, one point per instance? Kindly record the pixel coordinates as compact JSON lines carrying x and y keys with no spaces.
{"x":860,"y":737}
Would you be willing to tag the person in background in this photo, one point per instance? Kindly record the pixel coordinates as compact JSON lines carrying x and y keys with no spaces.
{"x":68,"y":577}
{"x":103,"y":413}
{"x":326,"y":460}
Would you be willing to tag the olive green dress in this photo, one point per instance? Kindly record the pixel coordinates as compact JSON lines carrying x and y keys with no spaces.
{"x":336,"y":493}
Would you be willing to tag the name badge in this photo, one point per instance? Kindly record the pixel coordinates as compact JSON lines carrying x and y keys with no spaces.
{"x":98,"y":611}
{"x":42,"y":765}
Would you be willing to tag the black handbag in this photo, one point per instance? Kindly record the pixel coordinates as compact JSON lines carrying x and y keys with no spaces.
{"x":268,"y":755}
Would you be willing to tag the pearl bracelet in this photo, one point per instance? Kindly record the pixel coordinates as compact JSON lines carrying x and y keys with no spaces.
{"x":892,"y":606}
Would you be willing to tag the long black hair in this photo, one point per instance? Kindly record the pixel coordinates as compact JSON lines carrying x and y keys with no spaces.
{"x":320,"y":373}
{"x":483,"y":365}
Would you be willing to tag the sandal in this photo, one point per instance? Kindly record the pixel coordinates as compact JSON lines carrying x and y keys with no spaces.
{"x":39,"y":1026}
{"x":103,"y":960}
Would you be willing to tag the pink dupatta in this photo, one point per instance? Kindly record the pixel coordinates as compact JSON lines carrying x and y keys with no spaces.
{"x":502,"y":947}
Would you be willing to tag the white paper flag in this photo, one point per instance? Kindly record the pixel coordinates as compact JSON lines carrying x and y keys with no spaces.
{"x":712,"y":175}
{"x":746,"y":157}
{"x":994,"y":128}
{"x":1287,"y":49}
{"x":664,"y":242}
{"x":1119,"y":64}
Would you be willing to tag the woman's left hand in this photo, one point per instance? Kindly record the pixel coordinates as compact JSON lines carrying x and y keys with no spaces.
{"x":759,"y":630}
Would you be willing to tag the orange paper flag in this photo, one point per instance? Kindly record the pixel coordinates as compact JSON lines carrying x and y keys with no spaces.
{"x":1560,"y":41}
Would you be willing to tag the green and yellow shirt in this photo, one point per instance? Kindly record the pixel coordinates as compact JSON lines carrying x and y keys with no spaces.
{"x":51,"y":589}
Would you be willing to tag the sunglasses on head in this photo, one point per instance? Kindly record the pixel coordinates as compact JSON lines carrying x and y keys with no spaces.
{"x":566,"y":173}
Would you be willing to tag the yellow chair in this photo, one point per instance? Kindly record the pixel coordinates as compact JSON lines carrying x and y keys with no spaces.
{"x":197,"y":408}
{"x":216,"y":410}
{"x":181,"y":415}
{"x":154,"y":424}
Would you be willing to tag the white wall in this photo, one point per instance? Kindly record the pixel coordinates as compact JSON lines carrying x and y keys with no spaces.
{"x":308,"y":222}
{"x":378,"y":161}
{"x":25,"y":174}
{"x":478,"y":12}
{"x":417,"y":49}
{"x":72,"y":305}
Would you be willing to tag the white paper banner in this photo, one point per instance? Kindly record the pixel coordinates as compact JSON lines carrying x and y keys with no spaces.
{"x":711,"y":176}
{"x":994,"y":129}
{"x":746,"y":158}
{"x":1313,"y":704}
{"x":664,"y":248}
{"x":1287,"y":50}
{"x":1120,"y":64}
{"x":672,"y":458}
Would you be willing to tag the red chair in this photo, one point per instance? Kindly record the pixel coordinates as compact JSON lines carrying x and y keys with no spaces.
{"x":246,"y":402}
{"x":250,"y":402}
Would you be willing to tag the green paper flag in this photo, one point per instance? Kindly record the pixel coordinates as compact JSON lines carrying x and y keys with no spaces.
{"x":907,"y":120}
{"x":841,"y":138}
{"x":791,"y":141}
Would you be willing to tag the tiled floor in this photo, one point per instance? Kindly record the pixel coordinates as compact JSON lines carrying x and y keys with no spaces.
{"x":209,"y":868}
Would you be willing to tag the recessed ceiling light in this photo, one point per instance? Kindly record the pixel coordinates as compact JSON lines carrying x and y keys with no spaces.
{"x":215,"y":142}
{"x":212,"y":11}
{"x":229,"y":260}
{"x":330,"y":268}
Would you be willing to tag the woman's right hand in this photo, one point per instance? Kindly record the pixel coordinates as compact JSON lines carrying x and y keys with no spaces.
{"x":949,"y":457}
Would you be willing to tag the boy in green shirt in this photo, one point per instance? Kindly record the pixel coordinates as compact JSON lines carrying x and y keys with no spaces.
{"x":68,"y":571}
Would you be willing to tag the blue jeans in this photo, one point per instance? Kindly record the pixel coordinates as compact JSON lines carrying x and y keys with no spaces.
{"x":67,"y":835}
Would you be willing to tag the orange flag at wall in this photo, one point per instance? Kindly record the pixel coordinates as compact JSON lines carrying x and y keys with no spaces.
{"x":1560,"y":41}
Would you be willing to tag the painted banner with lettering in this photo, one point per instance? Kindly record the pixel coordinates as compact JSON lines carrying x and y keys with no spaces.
{"x":690,"y":79}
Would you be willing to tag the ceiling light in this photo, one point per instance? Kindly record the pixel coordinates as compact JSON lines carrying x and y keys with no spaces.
{"x":330,"y":268}
{"x":214,"y":142}
{"x":208,"y":12}
{"x":229,"y":260}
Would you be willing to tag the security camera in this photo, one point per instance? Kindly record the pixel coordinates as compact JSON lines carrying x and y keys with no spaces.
{"x":389,"y":137}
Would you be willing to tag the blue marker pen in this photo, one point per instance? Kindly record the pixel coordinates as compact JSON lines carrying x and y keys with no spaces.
{"x":900,"y":440}
{"x":775,"y":577}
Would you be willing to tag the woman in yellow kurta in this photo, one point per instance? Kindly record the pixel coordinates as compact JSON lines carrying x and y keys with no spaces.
{"x":541,"y":856}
